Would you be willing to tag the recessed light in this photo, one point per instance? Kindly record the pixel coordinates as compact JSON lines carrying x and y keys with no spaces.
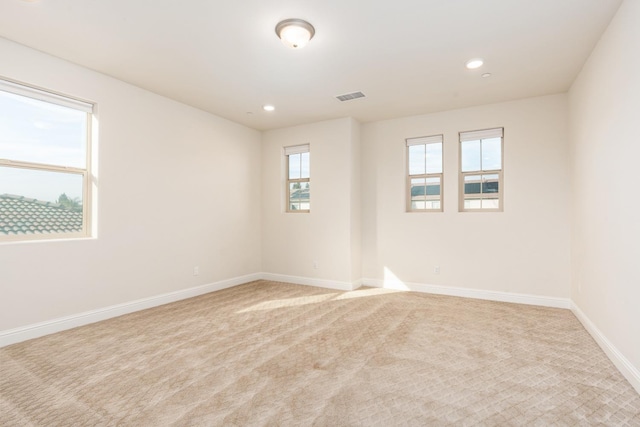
{"x":472,"y":64}
{"x":268,"y":107}
{"x":485,"y":75}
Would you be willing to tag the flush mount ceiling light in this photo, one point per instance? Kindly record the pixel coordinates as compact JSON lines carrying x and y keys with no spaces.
{"x":295,"y":33}
{"x":268,"y":107}
{"x":472,"y":64}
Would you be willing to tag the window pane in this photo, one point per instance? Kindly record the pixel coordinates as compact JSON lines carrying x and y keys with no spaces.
{"x":425,"y":193}
{"x":294,"y":191}
{"x":304,"y":167}
{"x":433,"y":187}
{"x":40,"y":132}
{"x":304,"y":196}
{"x":418,"y":189}
{"x":299,"y":196}
{"x":294,"y":166}
{"x":490,"y":183}
{"x":472,"y":203}
{"x":418,"y":204}
{"x":492,"y":154}
{"x":37,"y":202}
{"x":470,"y":156}
{"x":472,"y":184}
{"x":43,"y":186}
{"x":490,"y":203}
{"x":434,"y":158}
{"x":417,"y":160}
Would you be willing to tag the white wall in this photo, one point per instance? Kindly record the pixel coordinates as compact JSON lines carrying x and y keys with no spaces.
{"x":523,"y":250}
{"x":356,"y":202}
{"x":605,"y":148}
{"x":177,"y":188}
{"x":291,"y":242}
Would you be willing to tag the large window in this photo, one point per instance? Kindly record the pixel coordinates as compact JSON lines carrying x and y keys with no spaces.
{"x":424,"y":178}
{"x":481,"y":180}
{"x":44,"y":164}
{"x":298,"y":178}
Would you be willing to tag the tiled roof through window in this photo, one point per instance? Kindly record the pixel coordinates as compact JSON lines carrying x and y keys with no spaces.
{"x":301,"y":195}
{"x":20,"y":215}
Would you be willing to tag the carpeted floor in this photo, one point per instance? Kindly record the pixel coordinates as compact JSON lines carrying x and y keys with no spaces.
{"x":269,"y":353}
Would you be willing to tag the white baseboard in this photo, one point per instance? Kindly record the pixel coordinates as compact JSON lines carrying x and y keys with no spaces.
{"x":28,"y":332}
{"x":627,"y":369}
{"x":309,"y":281}
{"x":36,"y":330}
{"x":471,"y":293}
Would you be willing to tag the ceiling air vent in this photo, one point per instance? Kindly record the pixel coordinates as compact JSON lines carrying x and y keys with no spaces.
{"x":350,"y":96}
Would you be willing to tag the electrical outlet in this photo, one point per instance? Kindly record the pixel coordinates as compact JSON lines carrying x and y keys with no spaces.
{"x":436,"y":269}
{"x":196,"y":271}
{"x":315,"y":265}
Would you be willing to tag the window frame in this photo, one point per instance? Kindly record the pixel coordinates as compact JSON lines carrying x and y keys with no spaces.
{"x":481,"y":134}
{"x":288,"y":151}
{"x":44,"y":95}
{"x":432,"y":139}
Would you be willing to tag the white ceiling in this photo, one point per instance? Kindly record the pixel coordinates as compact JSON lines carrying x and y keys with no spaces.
{"x":407,"y":56}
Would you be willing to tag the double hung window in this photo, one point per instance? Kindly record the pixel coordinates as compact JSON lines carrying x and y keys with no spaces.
{"x":424,"y":178}
{"x":44,"y":164}
{"x":481,"y":179}
{"x":298,"y":178}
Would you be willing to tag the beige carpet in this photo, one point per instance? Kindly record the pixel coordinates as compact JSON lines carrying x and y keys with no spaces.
{"x":269,"y":353}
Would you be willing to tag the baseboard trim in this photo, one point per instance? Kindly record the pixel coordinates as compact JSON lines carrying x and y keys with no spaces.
{"x":625,"y":367}
{"x":36,"y":330}
{"x":472,"y":293}
{"x":28,"y":332}
{"x":309,"y":281}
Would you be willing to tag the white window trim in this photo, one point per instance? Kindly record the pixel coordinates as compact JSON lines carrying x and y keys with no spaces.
{"x":424,"y":140}
{"x":295,"y":149}
{"x":87,"y":201}
{"x":474,"y":136}
{"x":45,"y":95}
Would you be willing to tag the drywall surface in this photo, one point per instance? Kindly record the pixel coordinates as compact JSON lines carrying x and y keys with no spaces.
{"x":317,"y":244}
{"x":356,"y":202}
{"x":176,"y":188}
{"x":523,"y":250}
{"x":605,"y":106}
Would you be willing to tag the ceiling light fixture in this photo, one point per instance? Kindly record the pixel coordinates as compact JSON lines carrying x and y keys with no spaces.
{"x":485,"y":75}
{"x":472,"y":64}
{"x":295,"y":33}
{"x":268,"y":107}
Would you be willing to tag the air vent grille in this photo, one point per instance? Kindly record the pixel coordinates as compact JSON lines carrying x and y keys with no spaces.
{"x":350,"y":96}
